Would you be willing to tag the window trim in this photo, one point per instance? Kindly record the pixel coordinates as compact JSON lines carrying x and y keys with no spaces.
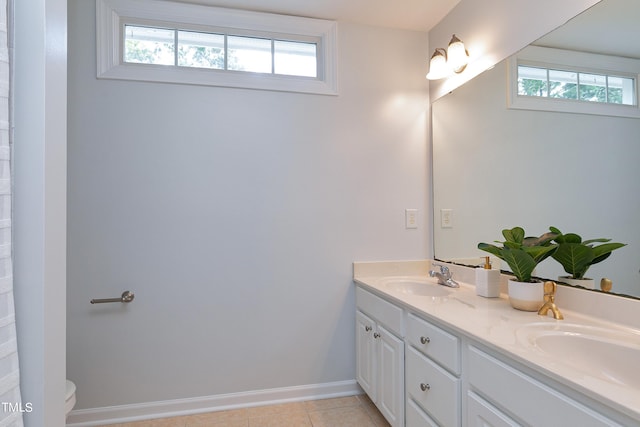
{"x":111,"y":15}
{"x":551,"y":58}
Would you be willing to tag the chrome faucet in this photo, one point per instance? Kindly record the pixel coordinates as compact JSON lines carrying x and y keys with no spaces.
{"x":444,"y":276}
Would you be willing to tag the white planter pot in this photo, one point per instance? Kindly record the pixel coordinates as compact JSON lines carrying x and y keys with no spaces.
{"x":526,"y":296}
{"x":585,"y":283}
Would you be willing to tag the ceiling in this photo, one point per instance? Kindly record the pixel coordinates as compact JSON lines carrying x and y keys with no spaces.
{"x":416,"y":15}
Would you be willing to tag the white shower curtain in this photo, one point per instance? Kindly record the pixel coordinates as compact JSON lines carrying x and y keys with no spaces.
{"x":11,"y":406}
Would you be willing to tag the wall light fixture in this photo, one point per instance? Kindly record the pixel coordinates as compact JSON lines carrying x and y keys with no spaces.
{"x":444,"y":62}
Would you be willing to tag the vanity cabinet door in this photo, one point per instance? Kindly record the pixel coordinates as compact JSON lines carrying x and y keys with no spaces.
{"x":390,"y":380}
{"x":366,"y":354}
{"x":380,"y":367}
{"x":380,"y":354}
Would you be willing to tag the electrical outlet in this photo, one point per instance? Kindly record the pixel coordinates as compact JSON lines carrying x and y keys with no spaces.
{"x":446,"y":218}
{"x":411,"y":218}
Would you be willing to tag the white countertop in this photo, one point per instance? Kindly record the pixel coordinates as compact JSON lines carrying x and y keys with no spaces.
{"x":494,"y":323}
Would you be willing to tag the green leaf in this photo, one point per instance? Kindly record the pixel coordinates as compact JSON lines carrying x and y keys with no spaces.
{"x":516,"y":234}
{"x":600,"y":258}
{"x":520,"y":262}
{"x":575,"y":258}
{"x":539,"y":253}
{"x":555,"y":230}
{"x":492,"y":249}
{"x":572,"y":238}
{"x":512,"y":245}
{"x":602,"y":252}
{"x":586,"y":242}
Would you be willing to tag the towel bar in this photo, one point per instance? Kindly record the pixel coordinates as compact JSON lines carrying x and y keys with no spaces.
{"x":127,"y":296}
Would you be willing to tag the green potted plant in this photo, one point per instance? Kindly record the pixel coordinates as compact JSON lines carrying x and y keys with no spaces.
{"x":522,"y":254}
{"x":576,"y":256}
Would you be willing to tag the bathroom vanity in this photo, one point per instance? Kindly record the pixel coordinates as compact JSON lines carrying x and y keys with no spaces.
{"x":428,"y":355}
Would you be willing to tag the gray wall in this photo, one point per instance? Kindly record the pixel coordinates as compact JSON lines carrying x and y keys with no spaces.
{"x":235,"y":215}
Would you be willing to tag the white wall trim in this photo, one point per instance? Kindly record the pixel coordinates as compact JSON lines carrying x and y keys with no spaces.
{"x":39,"y":126}
{"x":196,"y":405}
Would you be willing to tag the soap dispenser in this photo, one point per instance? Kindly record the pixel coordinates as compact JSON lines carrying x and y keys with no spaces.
{"x":487,"y":280}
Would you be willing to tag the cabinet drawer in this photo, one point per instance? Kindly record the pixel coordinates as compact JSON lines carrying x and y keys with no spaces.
{"x":529,"y":400}
{"x":416,"y":416}
{"x":482,"y":413}
{"x":382,"y":311}
{"x":441,"y":395}
{"x":434,"y":342}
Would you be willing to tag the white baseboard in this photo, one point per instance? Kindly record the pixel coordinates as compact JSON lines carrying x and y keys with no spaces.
{"x":197,"y":405}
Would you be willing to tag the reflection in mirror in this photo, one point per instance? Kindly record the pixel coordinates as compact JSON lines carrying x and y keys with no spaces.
{"x":496,"y":167}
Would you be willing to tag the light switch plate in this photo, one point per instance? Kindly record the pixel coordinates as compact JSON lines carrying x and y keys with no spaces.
{"x":411,"y":218}
{"x":446,"y":218}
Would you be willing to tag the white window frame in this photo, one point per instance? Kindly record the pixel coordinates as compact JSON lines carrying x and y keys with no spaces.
{"x":560,"y":59}
{"x":112,"y":14}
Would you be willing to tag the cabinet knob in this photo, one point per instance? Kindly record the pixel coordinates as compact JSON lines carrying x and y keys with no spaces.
{"x":425,"y":340}
{"x":376,"y":335}
{"x":367,"y":328}
{"x":425,"y":387}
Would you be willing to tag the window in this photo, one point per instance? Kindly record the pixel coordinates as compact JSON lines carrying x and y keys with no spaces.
{"x":577,"y":82}
{"x":214,"y":46}
{"x":574,"y":85}
{"x":161,"y":46}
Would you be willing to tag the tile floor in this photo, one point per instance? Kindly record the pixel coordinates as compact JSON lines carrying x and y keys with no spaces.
{"x":352,"y":411}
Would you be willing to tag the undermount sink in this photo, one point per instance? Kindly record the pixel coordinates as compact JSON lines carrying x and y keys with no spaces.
{"x":416,"y":286}
{"x":607,"y":354}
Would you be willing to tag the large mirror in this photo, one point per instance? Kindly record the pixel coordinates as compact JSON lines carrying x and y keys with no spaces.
{"x":497,"y":167}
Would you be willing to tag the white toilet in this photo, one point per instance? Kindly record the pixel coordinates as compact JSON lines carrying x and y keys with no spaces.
{"x":70,"y":397}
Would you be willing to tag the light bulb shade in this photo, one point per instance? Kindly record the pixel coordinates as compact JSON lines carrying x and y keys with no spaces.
{"x":457,"y":55}
{"x":438,"y":67}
